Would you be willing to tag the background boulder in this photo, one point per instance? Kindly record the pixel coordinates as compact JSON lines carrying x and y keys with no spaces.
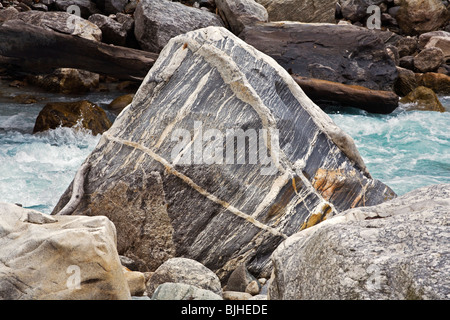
{"x":340,"y":53}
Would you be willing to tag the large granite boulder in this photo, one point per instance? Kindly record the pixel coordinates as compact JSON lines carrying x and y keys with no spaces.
{"x":58,"y":258}
{"x":394,"y":251}
{"x":340,"y":53}
{"x":219,"y":158}
{"x":157,"y":21}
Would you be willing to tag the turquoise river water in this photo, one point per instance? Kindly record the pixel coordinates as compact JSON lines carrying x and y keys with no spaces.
{"x":405,"y":150}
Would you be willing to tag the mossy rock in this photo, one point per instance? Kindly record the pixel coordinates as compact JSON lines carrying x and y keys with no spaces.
{"x":80,"y":114}
{"x":423,"y":99}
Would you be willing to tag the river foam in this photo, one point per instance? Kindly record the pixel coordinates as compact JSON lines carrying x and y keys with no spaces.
{"x":405,"y":149}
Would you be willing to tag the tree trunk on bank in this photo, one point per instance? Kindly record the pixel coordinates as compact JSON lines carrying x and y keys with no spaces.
{"x":34,"y":49}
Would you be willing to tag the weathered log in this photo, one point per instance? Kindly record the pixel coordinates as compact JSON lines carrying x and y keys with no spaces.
{"x":35,"y":49}
{"x":324,"y":92}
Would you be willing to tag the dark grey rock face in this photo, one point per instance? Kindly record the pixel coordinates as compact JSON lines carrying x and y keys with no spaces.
{"x":166,"y":176}
{"x":341,"y":53}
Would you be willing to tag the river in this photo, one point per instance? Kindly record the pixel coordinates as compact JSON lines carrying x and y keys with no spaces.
{"x":405,"y":149}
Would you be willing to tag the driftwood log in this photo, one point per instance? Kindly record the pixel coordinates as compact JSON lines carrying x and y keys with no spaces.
{"x":324,"y":92}
{"x":35,"y":49}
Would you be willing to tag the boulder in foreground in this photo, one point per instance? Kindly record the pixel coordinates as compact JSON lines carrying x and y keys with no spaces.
{"x":166,"y":176}
{"x":340,"y":53}
{"x":398,"y":250}
{"x":157,"y":21}
{"x":58,"y":258}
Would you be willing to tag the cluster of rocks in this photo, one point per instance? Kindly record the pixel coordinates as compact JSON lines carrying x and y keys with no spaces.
{"x":328,"y":42}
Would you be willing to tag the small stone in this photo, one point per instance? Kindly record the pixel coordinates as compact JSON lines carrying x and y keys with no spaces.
{"x":429,"y":60}
{"x":407,"y":46}
{"x":253,"y":288}
{"x":187,"y":271}
{"x":239,"y":279}
{"x":39,"y":218}
{"x":135,"y":280}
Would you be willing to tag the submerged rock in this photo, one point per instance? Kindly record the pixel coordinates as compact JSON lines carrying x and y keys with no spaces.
{"x":80,"y":114}
{"x":397,"y":250}
{"x":300,"y":10}
{"x":438,"y":82}
{"x":423,"y":99}
{"x":66,"y":80}
{"x":58,"y":258}
{"x":167,"y":177}
{"x":118,"y":104}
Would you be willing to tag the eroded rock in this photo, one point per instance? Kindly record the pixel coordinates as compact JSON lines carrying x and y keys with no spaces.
{"x":397,"y":250}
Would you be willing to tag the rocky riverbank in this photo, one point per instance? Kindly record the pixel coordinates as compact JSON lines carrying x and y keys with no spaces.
{"x":164,"y":208}
{"x":392,"y":46}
